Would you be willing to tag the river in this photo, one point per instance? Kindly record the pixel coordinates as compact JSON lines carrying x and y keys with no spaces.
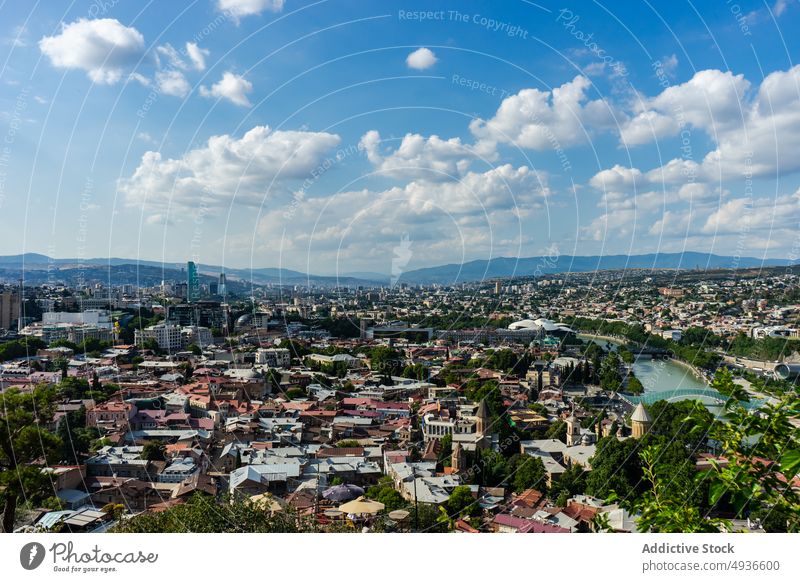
{"x":660,"y":375}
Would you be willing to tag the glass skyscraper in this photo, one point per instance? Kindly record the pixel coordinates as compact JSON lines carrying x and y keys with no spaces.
{"x":192,"y":282}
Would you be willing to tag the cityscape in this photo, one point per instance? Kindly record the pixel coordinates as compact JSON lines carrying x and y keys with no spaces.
{"x":508,"y":405}
{"x":336,"y":267}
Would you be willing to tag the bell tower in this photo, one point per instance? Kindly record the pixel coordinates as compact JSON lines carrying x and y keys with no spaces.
{"x":573,"y":431}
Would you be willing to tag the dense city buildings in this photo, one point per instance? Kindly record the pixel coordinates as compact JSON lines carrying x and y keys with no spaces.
{"x":515,"y":402}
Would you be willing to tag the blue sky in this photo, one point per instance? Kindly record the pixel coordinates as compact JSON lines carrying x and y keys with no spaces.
{"x":321,"y":135}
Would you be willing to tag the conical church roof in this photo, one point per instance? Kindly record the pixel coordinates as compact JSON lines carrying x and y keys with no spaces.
{"x":483,"y":410}
{"x":640,"y":414}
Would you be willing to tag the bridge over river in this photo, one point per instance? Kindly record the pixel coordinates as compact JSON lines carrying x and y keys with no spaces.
{"x":682,"y":394}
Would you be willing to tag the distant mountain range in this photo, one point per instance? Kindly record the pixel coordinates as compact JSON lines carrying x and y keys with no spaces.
{"x":40,"y":268}
{"x":503,"y":267}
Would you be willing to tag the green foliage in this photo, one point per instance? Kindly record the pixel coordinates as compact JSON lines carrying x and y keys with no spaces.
{"x":459,"y":320}
{"x":762,"y":458}
{"x":416,"y":371}
{"x":768,"y":348}
{"x":538,"y":408}
{"x":76,"y":438}
{"x":506,"y":360}
{"x":557,"y":430}
{"x":572,"y":482}
{"x":293,"y":393}
{"x":384,"y":492}
{"x":154,"y":451}
{"x":386,"y":360}
{"x":490,"y":468}
{"x":152,"y":345}
{"x":517,"y":472}
{"x":695,"y":354}
{"x":446,"y":452}
{"x":626,"y":355}
{"x":79,"y":388}
{"x":616,"y":468}
{"x":462,"y":503}
{"x":526,"y":472}
{"x":699,"y":336}
{"x":724,"y":384}
{"x":202,"y":514}
{"x":297,"y":349}
{"x":346,"y":443}
{"x":610,"y":378}
{"x":20,"y":348}
{"x":342,"y":327}
{"x":685,"y":421}
{"x":634,"y":385}
{"x":24,"y":445}
{"x":662,"y":507}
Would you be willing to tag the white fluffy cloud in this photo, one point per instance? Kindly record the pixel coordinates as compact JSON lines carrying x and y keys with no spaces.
{"x":239,"y":8}
{"x":755,"y":132}
{"x":172,"y":56}
{"x":547,"y":120}
{"x":432,"y":158}
{"x":421,"y":59}
{"x":197,"y":55}
{"x":104,"y":48}
{"x":172,"y":83}
{"x":227,"y":169}
{"x":478,"y":214}
{"x":616,"y":178}
{"x":232,"y":87}
{"x":742,"y":215}
{"x":712,"y":101}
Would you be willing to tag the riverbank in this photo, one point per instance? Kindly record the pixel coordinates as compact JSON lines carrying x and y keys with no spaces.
{"x":695,"y":370}
{"x":607,"y":338}
{"x":697,"y":373}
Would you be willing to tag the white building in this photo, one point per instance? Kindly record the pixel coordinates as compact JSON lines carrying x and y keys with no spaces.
{"x":274,"y":357}
{"x":200,"y":336}
{"x":94,"y":317}
{"x":672,"y":334}
{"x":168,"y":337}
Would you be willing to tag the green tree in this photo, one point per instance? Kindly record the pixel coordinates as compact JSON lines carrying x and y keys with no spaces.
{"x":384,"y":492}
{"x":202,"y":514}
{"x":616,"y":468}
{"x":461,"y":503}
{"x":347,"y":443}
{"x":662,"y":508}
{"x":610,"y":378}
{"x":527,"y":473}
{"x":24,"y":444}
{"x":76,"y":438}
{"x":572,"y":482}
{"x":154,"y":451}
{"x":446,"y":451}
{"x":762,"y":454}
{"x":634,"y":385}
{"x":557,"y":430}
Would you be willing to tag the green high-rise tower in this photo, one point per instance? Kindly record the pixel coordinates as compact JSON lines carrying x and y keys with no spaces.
{"x":192,"y":282}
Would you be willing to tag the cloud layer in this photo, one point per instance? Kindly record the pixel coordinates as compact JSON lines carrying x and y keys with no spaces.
{"x":227,"y":170}
{"x":104,"y":48}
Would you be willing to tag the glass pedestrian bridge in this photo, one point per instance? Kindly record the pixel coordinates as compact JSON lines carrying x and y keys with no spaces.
{"x":683,"y":394}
